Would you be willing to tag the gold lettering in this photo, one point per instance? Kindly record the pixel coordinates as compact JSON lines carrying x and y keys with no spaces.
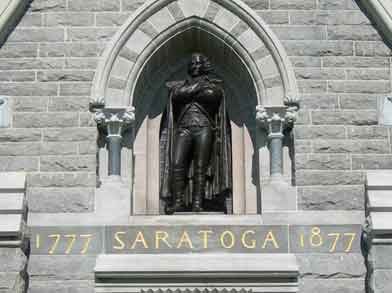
{"x":316,"y":240}
{"x":161,"y":236}
{"x":139,"y":238}
{"x":205,"y":234}
{"x":351,"y":241}
{"x":252,"y":243}
{"x":121,"y":244}
{"x":302,"y":240}
{"x":270,"y":238}
{"x":335,"y":241}
{"x":55,"y":243}
{"x":37,"y":241}
{"x":86,"y":245}
{"x":185,"y":238}
{"x":231,"y":240}
{"x":71,"y":243}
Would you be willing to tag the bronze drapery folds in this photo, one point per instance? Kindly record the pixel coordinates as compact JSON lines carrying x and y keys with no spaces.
{"x":195,"y":144}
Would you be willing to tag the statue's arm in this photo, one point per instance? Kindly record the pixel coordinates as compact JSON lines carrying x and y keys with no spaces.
{"x":174,"y":84}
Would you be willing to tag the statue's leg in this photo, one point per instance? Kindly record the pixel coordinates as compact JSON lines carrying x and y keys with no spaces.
{"x":202,"y":150}
{"x":181,"y":161}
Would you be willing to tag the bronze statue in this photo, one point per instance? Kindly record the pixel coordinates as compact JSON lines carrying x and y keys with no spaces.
{"x":196,"y":144}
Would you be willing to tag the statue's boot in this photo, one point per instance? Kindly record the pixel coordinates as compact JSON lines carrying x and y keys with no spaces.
{"x":178,"y":189}
{"x":197,"y":204}
{"x":198,"y":192}
{"x":179,"y":204}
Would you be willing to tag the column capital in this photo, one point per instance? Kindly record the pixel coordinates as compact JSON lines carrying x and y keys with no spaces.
{"x":275,"y":119}
{"x":115,"y":120}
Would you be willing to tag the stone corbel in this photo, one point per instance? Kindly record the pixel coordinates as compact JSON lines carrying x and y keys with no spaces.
{"x":114,"y":122}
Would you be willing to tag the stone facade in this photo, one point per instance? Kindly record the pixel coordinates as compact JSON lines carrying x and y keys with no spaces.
{"x":48,"y":63}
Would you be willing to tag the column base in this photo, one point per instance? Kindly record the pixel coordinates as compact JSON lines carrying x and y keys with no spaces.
{"x":278,"y":195}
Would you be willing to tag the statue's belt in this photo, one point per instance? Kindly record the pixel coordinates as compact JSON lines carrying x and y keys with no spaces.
{"x":201,"y":109}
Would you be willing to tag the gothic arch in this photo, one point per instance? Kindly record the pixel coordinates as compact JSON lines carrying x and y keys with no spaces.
{"x":232,"y":20}
{"x":132,"y":73}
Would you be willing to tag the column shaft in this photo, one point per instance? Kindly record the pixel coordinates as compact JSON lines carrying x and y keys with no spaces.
{"x":114,"y":145}
{"x":276,"y":155}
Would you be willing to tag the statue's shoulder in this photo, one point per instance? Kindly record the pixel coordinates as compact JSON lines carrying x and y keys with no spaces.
{"x":175,"y":83}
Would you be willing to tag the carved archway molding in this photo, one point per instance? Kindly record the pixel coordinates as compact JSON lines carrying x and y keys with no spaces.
{"x":381,"y":13}
{"x":157,"y":20}
{"x":10,"y":10}
{"x":133,"y":49}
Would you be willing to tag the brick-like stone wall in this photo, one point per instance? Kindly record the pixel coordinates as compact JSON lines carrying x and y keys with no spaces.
{"x":342,"y":66}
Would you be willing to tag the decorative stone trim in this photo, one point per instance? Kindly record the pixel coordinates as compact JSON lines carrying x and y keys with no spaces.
{"x":197,"y":273}
{"x":255,"y":43}
{"x":13,"y":241}
{"x":378,"y":230}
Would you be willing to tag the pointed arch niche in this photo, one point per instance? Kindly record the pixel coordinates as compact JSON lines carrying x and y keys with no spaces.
{"x":154,"y":46}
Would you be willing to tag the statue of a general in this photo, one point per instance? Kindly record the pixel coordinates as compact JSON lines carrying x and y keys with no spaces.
{"x":195,"y":144}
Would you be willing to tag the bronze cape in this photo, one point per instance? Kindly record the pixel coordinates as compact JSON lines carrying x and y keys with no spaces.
{"x":219,"y":173}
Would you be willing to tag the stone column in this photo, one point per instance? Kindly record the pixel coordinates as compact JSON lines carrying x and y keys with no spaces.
{"x":275,"y":119}
{"x":277,"y":194}
{"x":114,"y":121}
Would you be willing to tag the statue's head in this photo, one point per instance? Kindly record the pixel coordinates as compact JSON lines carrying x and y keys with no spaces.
{"x":199,"y":65}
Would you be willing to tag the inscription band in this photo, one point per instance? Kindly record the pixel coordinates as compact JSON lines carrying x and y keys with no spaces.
{"x":67,"y":240}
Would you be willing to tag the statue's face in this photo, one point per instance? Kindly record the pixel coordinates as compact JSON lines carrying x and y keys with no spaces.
{"x":195,"y":67}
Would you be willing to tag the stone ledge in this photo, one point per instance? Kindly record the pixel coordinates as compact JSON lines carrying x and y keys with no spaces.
{"x":197,"y":265}
{"x":379,"y":200}
{"x":197,"y":272}
{"x":10,"y":225}
{"x":379,"y":180}
{"x":381,"y":224}
{"x":12,"y":182}
{"x":12,"y":203}
{"x":276,"y":218}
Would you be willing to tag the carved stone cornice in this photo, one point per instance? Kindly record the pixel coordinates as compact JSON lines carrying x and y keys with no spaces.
{"x":115,"y":120}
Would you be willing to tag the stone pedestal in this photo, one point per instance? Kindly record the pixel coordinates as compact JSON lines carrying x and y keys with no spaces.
{"x":197,"y":273}
{"x":113,"y":200}
{"x":13,"y":246}
{"x":277,"y":193}
{"x":378,"y":231}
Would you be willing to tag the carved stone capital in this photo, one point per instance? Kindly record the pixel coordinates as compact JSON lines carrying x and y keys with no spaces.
{"x":115,"y":120}
{"x":275,"y":119}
